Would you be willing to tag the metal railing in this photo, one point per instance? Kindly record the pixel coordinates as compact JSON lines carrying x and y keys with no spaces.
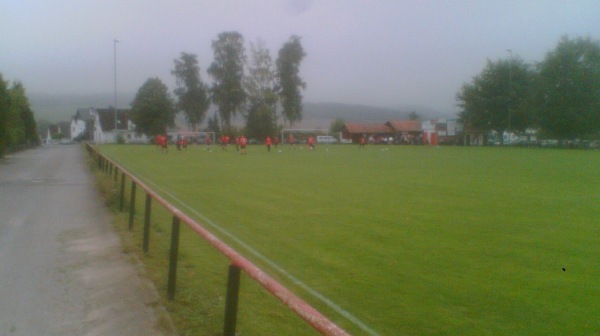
{"x":238,"y":262}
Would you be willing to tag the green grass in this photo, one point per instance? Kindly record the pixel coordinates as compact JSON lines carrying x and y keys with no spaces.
{"x":409,"y":240}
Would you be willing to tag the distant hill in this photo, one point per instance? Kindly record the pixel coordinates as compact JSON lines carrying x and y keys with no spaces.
{"x":61,"y":107}
{"x":57,"y":108}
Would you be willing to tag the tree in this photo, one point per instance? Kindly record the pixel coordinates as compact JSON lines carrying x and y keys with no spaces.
{"x":191,"y":91}
{"x":497,"y":98}
{"x":260,"y":86}
{"x":26,"y":116}
{"x":288,"y":68}
{"x":568,"y":89}
{"x":414,"y":116}
{"x":15,"y":124}
{"x":152,"y":109}
{"x":213,"y":125}
{"x":336,"y":126}
{"x":4,"y":107}
{"x":227,"y":71}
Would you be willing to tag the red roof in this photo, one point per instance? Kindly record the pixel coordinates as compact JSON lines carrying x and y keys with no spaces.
{"x":405,"y":125}
{"x":367,"y":128}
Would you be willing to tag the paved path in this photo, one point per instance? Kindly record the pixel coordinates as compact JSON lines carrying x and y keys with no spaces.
{"x":62,"y":270}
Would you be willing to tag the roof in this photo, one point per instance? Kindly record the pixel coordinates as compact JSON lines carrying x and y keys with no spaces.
{"x":107,"y":119}
{"x":84,"y":114}
{"x":367,"y":128}
{"x":405,"y":125}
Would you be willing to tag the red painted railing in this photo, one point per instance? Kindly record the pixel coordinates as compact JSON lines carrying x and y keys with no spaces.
{"x":238,"y":262}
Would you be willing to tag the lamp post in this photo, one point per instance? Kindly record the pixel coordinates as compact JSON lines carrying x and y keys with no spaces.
{"x":509,"y":89}
{"x":115,"y":41}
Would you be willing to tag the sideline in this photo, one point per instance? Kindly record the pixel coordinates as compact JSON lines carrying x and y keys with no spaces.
{"x":278,"y":268}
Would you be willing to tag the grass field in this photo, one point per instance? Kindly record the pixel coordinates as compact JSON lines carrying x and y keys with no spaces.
{"x":404,"y":240}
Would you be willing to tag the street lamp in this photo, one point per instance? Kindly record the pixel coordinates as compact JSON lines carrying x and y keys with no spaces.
{"x":115,"y":41}
{"x":509,"y":88}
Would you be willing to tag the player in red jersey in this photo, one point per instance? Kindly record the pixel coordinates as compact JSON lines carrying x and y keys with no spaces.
{"x":268,"y":143}
{"x":243,"y":143}
{"x":311,"y":143}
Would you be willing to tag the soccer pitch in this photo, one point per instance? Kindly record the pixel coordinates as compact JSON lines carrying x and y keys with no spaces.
{"x":387,"y":240}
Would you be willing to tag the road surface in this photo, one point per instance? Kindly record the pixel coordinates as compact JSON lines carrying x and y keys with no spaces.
{"x":62,"y":268}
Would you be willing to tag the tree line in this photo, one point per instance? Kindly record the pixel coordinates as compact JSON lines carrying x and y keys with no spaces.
{"x":18,"y":128}
{"x":559,"y":96}
{"x":257,"y":88}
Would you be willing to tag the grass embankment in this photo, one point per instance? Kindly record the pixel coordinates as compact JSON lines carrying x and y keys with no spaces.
{"x":408,"y":240}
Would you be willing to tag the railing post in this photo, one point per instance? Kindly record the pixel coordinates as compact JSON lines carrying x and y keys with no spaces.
{"x":110,"y":168}
{"x":147,"y":223}
{"x":122,"y":196}
{"x":231,"y":303}
{"x":173,"y":259}
{"x":116,"y":174}
{"x":132,"y":205}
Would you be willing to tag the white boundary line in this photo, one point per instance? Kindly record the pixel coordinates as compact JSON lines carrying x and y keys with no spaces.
{"x":292,"y":278}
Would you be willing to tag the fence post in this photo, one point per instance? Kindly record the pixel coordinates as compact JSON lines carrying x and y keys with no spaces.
{"x":122,"y":201}
{"x":231,"y":303}
{"x":173,"y":259}
{"x":116,"y":177}
{"x":147,"y":223}
{"x":132,"y":205}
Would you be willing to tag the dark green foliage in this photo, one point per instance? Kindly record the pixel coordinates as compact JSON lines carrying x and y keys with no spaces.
{"x":288,"y":67}
{"x":191,"y":91}
{"x":337,"y":125}
{"x":213,"y":125}
{"x":17,"y":123}
{"x":227,"y":71}
{"x":568,"y":92}
{"x":26,"y":115}
{"x":260,"y":85}
{"x":4,"y":107}
{"x":497,"y":98}
{"x":152,"y":109}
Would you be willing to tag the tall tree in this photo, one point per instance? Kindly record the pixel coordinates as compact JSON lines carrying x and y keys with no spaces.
{"x":568,"y":95}
{"x":15,"y":124}
{"x":260,"y":86}
{"x":337,"y":126}
{"x":227,"y":71}
{"x":213,"y":125}
{"x":288,"y":68}
{"x":21,"y":101}
{"x":152,"y":109}
{"x":191,"y":91}
{"x":497,"y":98}
{"x":4,"y":107}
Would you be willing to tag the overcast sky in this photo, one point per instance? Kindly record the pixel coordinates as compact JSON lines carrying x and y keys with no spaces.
{"x":381,"y":53}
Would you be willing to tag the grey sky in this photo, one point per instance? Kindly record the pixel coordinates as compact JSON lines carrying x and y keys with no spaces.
{"x":380,"y":53}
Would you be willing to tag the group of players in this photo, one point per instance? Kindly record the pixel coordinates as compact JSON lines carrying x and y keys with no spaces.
{"x":241,"y":142}
{"x":161,"y":141}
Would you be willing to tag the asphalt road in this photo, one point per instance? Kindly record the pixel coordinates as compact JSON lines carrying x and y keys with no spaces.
{"x":62,"y":268}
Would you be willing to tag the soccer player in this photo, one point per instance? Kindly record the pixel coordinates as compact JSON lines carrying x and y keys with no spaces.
{"x":311,"y":142}
{"x":292,"y":140}
{"x":268,"y":142}
{"x":163,"y":143}
{"x":276,"y":141}
{"x":243,"y":143}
